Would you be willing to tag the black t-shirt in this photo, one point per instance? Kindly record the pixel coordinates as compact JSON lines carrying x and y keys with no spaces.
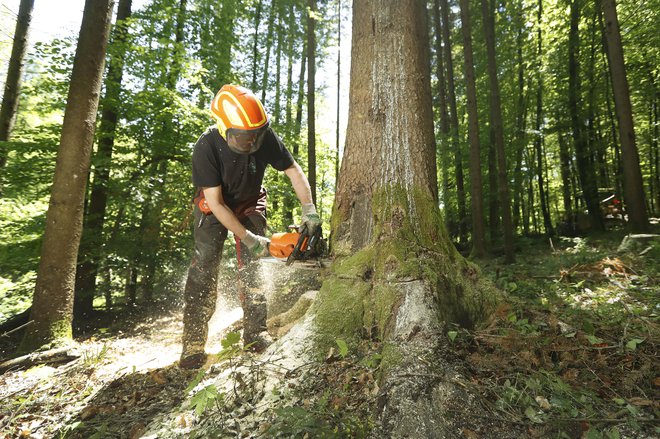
{"x":240,"y":175}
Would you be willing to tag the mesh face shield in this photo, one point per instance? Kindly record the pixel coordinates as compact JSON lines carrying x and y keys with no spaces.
{"x":246,"y":141}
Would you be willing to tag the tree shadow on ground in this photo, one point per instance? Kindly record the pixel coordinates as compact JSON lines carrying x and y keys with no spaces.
{"x":124,"y":407}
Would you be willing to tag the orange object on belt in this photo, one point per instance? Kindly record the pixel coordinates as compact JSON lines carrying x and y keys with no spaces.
{"x":282,"y":244}
{"x":200,"y":201}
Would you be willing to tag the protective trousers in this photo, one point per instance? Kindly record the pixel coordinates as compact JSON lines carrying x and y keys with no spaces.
{"x":201,"y":286}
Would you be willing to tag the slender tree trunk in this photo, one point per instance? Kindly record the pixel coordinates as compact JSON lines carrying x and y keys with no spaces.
{"x":453,"y":118}
{"x":498,"y":130}
{"x":278,"y":67}
{"x":91,"y":244}
{"x":14,"y":73}
{"x":338,"y":91}
{"x":493,"y":204}
{"x":311,"y":92}
{"x":445,"y":140}
{"x":265,"y":83}
{"x":297,"y":127}
{"x":521,"y":118}
{"x":255,"y":46}
{"x":632,"y":175}
{"x":52,"y":305}
{"x":478,"y":232}
{"x":299,"y":103}
{"x":565,"y":166}
{"x":655,"y":148}
{"x":583,"y":155}
{"x":538,"y":141}
{"x":288,"y":202}
{"x":289,"y":72}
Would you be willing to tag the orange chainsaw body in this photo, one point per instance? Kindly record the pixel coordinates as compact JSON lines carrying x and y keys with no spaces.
{"x":282,"y":244}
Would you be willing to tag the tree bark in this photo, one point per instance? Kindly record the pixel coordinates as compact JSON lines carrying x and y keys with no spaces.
{"x":493,"y":203}
{"x":392,"y":250}
{"x":91,"y":245}
{"x":338,"y":91}
{"x":538,"y":140}
{"x":498,"y":131}
{"x":565,"y":167}
{"x":582,"y":153}
{"x":255,"y":47}
{"x":52,"y":305}
{"x":269,"y":43}
{"x":311,"y":92}
{"x":521,"y":120}
{"x":453,"y":118}
{"x":445,"y":141}
{"x":476,"y":186}
{"x":632,"y":177}
{"x":14,"y":73}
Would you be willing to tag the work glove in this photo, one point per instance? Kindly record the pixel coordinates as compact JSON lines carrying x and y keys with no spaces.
{"x":258,"y":245}
{"x":310,"y":218}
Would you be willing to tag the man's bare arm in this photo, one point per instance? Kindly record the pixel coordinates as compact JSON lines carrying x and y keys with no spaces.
{"x":300,"y":183}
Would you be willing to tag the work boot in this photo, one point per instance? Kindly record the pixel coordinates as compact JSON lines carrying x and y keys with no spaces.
{"x":194,"y":361}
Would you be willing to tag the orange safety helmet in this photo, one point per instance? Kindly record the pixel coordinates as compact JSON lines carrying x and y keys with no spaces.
{"x":241,"y":119}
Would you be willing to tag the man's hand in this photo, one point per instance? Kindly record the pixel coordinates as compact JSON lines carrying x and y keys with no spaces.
{"x":258,"y":245}
{"x":310,"y":218}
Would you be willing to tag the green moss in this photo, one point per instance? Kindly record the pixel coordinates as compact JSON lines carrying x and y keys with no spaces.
{"x":385,"y":301}
{"x":359,"y":265}
{"x":340,"y":311}
{"x":392,"y":357}
{"x":55,"y":334}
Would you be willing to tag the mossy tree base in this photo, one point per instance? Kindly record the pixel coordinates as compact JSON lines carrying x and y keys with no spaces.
{"x":52,"y":335}
{"x":403,"y":296}
{"x":401,"y":289}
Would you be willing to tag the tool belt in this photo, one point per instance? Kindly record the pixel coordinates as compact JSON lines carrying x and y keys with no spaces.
{"x":243,"y":209}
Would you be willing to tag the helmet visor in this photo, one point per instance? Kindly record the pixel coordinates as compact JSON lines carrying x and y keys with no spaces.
{"x":246,"y":141}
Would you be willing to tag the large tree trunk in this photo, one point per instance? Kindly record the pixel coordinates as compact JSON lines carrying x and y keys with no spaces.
{"x":92,"y":240}
{"x":632,"y":176}
{"x":311,"y":92}
{"x":14,"y":73}
{"x":396,"y":276}
{"x":453,"y":118}
{"x":582,"y":153}
{"x":52,"y":305}
{"x":498,"y":130}
{"x":476,"y":193}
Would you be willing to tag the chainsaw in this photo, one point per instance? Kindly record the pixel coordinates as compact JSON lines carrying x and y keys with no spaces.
{"x":298,"y":246}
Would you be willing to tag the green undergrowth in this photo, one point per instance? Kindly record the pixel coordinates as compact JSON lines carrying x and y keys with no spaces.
{"x":573,"y":352}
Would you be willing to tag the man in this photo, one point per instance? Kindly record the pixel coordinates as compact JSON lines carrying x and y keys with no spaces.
{"x":229,"y":161}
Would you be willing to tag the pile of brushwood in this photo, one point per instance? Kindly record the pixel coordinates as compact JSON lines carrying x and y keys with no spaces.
{"x":572,"y":353}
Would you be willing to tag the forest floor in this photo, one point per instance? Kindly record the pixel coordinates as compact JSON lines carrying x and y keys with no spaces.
{"x":572,"y":354}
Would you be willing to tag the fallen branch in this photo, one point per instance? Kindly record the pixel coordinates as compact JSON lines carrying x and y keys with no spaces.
{"x":59,"y":355}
